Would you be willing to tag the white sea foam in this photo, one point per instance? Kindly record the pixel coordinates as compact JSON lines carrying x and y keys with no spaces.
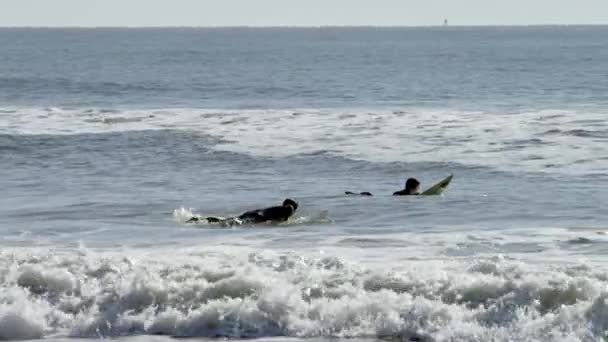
{"x":549,"y":140}
{"x":182,"y":215}
{"x":212,"y":292}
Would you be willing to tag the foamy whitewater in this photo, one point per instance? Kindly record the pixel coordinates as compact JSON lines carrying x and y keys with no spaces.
{"x":111,"y":139}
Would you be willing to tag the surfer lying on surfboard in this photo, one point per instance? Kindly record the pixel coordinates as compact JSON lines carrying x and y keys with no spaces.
{"x":273,"y":214}
{"x":412,"y":187}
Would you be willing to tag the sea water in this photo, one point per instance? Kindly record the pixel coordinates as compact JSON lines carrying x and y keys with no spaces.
{"x":110,"y":139}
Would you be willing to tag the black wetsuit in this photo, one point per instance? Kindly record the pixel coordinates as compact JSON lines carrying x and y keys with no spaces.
{"x":364,"y":193}
{"x":405,"y":192}
{"x":276,"y":214}
{"x":272,"y":214}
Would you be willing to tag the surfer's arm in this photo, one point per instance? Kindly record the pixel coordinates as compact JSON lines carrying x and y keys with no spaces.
{"x":364,"y":193}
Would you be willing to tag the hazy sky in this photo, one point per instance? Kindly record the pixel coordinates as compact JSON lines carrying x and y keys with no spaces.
{"x":299,"y":12}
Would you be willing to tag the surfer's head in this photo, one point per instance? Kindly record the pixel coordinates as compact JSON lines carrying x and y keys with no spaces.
{"x":412,"y":185}
{"x":290,"y":203}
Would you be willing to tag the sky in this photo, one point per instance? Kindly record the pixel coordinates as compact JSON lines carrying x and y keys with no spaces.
{"x":94,"y":13}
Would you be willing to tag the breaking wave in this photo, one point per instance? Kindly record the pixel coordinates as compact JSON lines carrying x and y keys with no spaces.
{"x":247,"y":294}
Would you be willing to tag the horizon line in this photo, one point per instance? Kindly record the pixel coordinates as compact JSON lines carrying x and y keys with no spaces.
{"x":296,"y":26}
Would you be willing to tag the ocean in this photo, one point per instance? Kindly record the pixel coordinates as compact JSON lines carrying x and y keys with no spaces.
{"x":110,"y":139}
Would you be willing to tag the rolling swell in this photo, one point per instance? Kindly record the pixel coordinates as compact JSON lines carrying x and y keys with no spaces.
{"x":69,"y":87}
{"x":54,"y":146}
{"x":553,"y":141}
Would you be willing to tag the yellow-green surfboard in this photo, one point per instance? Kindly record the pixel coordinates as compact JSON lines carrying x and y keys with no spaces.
{"x":438,"y":188}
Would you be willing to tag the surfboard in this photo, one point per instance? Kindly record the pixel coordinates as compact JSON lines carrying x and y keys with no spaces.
{"x":438,"y":188}
{"x":216,"y":220}
{"x":224,"y":221}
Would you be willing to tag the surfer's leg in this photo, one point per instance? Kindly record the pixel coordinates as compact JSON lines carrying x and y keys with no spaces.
{"x":212,"y":219}
{"x":193,"y":219}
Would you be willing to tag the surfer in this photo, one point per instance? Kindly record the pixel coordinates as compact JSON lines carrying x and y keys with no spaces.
{"x":272,"y":214}
{"x":412,"y":187}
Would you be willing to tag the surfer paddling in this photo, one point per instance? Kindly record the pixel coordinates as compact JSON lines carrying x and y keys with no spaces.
{"x":272,"y":214}
{"x":412,"y":187}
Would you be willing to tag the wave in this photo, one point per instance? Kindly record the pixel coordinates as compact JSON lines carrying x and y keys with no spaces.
{"x":545,"y":141}
{"x":67,"y":86}
{"x":245,"y":294}
{"x":582,"y":133}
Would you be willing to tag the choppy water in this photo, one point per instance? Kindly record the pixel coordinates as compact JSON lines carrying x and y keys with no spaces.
{"x":110,"y":138}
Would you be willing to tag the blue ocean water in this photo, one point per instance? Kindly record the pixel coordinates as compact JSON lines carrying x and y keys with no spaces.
{"x":111,"y":138}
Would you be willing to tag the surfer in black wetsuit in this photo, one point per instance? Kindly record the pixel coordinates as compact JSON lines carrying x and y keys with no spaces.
{"x":412,"y":187}
{"x":273,"y":214}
